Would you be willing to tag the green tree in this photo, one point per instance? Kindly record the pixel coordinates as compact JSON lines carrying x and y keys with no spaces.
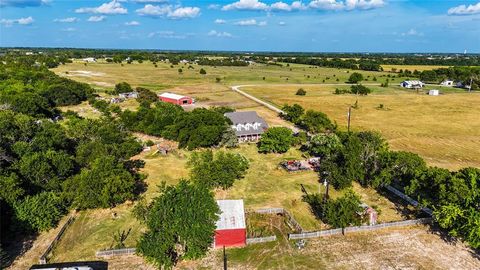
{"x":146,"y":95}
{"x":324,"y":145}
{"x":219,"y":170}
{"x":181,"y":224}
{"x":105,"y":184}
{"x":360,"y":90}
{"x":316,"y":122}
{"x":40,"y":212}
{"x":343,"y":212}
{"x":276,"y":140}
{"x":202,"y":71}
{"x":292,"y":113}
{"x":122,"y":87}
{"x":355,"y":77}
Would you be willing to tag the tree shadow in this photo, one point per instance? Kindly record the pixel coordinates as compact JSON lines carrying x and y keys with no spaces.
{"x":17,"y":245}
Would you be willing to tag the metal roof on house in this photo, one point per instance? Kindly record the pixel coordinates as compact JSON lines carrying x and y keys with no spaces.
{"x":413,"y":82}
{"x":232,"y":215}
{"x":172,"y":96}
{"x":247,"y":123}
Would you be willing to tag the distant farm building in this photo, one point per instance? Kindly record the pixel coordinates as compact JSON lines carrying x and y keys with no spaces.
{"x":128,"y":95}
{"x":175,"y":99}
{"x":412,"y":84}
{"x":447,"y":83}
{"x":231,"y":230}
{"x":433,"y":92}
{"x":89,"y":60}
{"x":248,"y":126}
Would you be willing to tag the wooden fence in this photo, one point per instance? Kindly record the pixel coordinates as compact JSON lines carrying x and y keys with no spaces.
{"x":360,"y":228}
{"x":261,"y":239}
{"x":290,"y":220}
{"x":115,"y":252}
{"x":43,"y":258}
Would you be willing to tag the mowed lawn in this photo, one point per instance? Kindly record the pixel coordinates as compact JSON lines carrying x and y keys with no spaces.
{"x":445,"y":129}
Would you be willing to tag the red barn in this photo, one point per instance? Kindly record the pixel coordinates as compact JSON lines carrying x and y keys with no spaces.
{"x":175,"y":99}
{"x":231,"y":230}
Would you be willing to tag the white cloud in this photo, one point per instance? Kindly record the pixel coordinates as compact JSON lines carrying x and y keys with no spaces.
{"x":220,"y":21}
{"x":22,"y":21}
{"x":363,"y":4}
{"x":464,"y":10}
{"x":166,"y":34}
{"x":282,"y":23}
{"x":412,"y":32}
{"x":326,"y":5}
{"x":251,"y":22}
{"x":149,"y":1}
{"x":184,"y":12}
{"x":69,"y":29}
{"x":23,"y":3}
{"x":213,"y":6}
{"x":281,"y":6}
{"x":110,"y":8}
{"x":169,"y":11}
{"x":219,"y":34}
{"x":67,"y":20}
{"x":246,"y":5}
{"x":132,"y":23}
{"x":151,"y":10}
{"x":96,"y":18}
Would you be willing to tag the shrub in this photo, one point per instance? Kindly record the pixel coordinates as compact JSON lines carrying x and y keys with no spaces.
{"x":276,"y":140}
{"x":301,"y":92}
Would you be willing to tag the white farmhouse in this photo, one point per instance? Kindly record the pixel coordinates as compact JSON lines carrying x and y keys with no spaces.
{"x":412,"y":84}
{"x":248,"y":126}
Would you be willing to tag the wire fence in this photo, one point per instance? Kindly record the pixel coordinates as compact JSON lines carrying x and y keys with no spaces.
{"x":43,"y":258}
{"x":115,"y":252}
{"x":360,"y":228}
{"x":290,"y":219}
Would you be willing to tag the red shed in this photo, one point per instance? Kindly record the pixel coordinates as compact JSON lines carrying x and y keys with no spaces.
{"x":231,"y":230}
{"x":175,"y":99}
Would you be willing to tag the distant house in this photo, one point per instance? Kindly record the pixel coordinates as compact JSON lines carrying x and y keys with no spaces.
{"x":447,"y":83}
{"x":231,"y":230}
{"x":412,"y":84}
{"x":89,"y":60}
{"x":248,"y":126}
{"x":175,"y":99}
{"x":433,"y":92}
{"x":128,"y":95}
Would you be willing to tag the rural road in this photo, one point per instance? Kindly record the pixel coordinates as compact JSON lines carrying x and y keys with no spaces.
{"x":236,"y":88}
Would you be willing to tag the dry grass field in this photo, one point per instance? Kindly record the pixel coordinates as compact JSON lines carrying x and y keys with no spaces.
{"x":411,"y":67}
{"x":445,"y":129}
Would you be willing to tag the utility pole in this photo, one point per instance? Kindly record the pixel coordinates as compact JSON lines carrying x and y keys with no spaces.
{"x":348,"y":117}
{"x":224,"y":259}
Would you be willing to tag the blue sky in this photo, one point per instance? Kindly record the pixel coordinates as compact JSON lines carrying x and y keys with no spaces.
{"x":252,"y":25}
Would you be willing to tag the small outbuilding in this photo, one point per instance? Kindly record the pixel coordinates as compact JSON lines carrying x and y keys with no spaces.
{"x":89,"y":60}
{"x":447,"y":83}
{"x":231,"y":228}
{"x":433,"y":92}
{"x":176,"y":99}
{"x":128,"y":95}
{"x":412,"y":84}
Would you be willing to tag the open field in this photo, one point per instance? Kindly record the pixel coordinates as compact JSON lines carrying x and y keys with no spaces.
{"x":105,"y":75}
{"x":411,"y":67}
{"x":445,"y":130}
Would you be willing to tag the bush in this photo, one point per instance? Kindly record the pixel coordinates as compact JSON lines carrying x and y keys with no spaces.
{"x":40,"y":212}
{"x":202,"y":71}
{"x":360,"y":90}
{"x":301,"y":92}
{"x":355,"y":77}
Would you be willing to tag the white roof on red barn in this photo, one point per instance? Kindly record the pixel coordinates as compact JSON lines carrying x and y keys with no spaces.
{"x":232,"y":215}
{"x":173,"y":96}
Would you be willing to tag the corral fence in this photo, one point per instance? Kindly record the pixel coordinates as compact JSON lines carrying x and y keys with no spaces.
{"x":115,"y":252}
{"x":290,"y":220}
{"x":261,"y":239}
{"x":43,"y":258}
{"x":408,"y":199}
{"x":359,"y":228}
